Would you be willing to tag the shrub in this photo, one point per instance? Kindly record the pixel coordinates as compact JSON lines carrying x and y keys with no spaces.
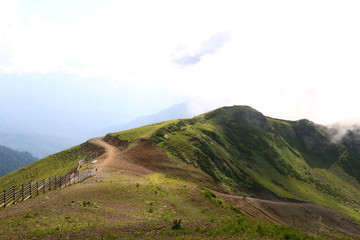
{"x":176,"y":224}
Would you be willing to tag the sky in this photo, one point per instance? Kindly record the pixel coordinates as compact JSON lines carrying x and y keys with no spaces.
{"x":116,"y":60}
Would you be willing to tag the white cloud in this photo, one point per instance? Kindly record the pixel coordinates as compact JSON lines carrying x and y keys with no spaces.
{"x":288,"y":59}
{"x":186,"y":55}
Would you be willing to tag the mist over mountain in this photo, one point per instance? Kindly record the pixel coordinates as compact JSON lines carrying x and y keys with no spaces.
{"x":38,"y":145}
{"x":341,"y":128}
{"x":44,"y":114}
{"x":83,"y":78}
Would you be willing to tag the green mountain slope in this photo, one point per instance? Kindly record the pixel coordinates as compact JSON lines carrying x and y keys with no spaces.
{"x":151,"y":175}
{"x":248,"y":153}
{"x":56,"y":164}
{"x":11,"y":160}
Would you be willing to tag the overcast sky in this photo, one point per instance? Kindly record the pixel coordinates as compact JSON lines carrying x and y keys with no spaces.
{"x":288,"y":59}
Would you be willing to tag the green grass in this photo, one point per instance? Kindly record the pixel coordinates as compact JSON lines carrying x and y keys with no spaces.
{"x":141,"y":132}
{"x":129,"y":210}
{"x":56,"y":164}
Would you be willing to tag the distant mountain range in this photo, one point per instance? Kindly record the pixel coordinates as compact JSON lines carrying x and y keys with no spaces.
{"x":187,"y":109}
{"x":23,"y":130}
{"x":11,"y":160}
{"x":38,"y":145}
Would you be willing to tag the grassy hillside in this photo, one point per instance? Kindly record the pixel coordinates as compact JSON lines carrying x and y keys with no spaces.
{"x":135,"y":208}
{"x":56,"y":164}
{"x":246,"y":153}
{"x":181,"y":169}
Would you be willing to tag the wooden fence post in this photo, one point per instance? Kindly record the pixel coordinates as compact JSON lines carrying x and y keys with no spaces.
{"x":30,"y":193}
{"x":13,"y":188}
{"x":4,"y":198}
{"x":22,"y":192}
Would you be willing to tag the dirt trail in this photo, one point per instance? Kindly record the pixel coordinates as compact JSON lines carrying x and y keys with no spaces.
{"x":115,"y":160}
{"x":110,"y":154}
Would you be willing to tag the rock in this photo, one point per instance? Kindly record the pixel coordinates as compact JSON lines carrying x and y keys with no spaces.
{"x":315,"y":137}
{"x":185,"y":159}
{"x":352,"y":139}
{"x":253,"y":118}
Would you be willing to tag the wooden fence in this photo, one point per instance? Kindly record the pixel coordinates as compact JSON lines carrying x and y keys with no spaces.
{"x":27,"y":190}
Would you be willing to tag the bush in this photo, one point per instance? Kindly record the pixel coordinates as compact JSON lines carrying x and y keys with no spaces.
{"x":176,"y":224}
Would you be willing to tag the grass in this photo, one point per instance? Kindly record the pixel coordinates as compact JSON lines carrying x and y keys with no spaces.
{"x":56,"y":164}
{"x":141,"y":132}
{"x":126,"y":210}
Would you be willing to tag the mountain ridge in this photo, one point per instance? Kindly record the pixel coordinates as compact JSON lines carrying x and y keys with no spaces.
{"x":228,"y":142}
{"x":243,"y":157}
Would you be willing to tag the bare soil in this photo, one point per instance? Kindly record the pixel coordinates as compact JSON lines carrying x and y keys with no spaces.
{"x":140,"y":158}
{"x":306,"y":216}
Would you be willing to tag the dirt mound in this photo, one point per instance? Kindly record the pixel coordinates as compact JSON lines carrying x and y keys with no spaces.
{"x":306,"y":216}
{"x":122,"y":144}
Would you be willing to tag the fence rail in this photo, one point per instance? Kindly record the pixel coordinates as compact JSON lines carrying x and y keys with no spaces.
{"x":28,"y":190}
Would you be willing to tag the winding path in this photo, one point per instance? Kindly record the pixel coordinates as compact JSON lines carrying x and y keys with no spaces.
{"x":115,"y":160}
{"x":111,"y":151}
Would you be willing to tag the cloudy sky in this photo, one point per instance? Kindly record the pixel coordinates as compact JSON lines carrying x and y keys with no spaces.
{"x":288,"y":59}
